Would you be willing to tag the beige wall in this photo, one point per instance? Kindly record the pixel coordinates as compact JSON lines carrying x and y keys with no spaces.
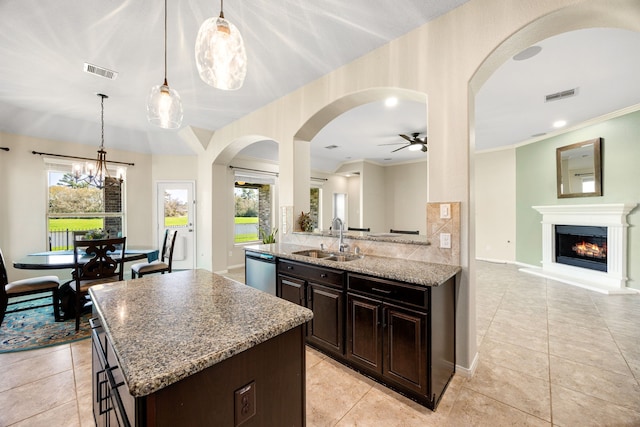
{"x":495,"y":178}
{"x":406,"y":197}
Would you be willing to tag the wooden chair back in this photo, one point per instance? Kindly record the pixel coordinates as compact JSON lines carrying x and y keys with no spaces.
{"x":4,"y":279}
{"x":99,"y":260}
{"x":404,"y":231}
{"x":169,"y":245}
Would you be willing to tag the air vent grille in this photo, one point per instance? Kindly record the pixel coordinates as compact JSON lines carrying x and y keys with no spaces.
{"x":561,"y":95}
{"x":100,"y":71}
{"x":331,"y":147}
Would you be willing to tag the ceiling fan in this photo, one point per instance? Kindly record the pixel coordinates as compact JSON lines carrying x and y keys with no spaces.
{"x":416,"y":142}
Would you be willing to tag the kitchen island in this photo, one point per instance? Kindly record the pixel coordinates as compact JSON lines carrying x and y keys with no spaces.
{"x":196,"y":348}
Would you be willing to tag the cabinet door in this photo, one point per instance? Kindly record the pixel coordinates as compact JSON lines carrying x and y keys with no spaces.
{"x":405,"y":348}
{"x":325,"y":329}
{"x":291,"y":289}
{"x":364,"y":332}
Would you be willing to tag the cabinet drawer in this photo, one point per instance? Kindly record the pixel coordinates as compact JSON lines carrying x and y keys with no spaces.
{"x":311,"y":273}
{"x":389,"y":290}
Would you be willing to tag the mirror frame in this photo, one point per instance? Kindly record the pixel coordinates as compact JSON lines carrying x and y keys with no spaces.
{"x":597,"y":168}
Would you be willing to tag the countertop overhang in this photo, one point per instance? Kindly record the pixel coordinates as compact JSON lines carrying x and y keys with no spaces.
{"x":167,"y":327}
{"x":409,"y":271}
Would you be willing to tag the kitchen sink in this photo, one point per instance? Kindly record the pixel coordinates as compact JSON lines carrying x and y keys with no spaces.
{"x":314,"y":253}
{"x":328,"y":256}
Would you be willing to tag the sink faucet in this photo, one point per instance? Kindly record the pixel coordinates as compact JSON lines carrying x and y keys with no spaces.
{"x":342,"y":246}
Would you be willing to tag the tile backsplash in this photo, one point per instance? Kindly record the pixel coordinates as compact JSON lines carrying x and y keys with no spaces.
{"x":428,"y":251}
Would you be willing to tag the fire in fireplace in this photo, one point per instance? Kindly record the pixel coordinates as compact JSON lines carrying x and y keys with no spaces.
{"x":582,"y":246}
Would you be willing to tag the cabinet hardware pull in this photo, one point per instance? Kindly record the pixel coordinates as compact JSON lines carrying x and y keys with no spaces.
{"x":382,"y":291}
{"x":289,"y":267}
{"x":323,"y":275}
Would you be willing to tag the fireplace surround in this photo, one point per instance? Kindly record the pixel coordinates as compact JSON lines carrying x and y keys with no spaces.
{"x":604,"y":226}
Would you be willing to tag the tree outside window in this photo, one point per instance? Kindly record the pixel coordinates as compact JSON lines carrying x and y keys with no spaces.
{"x":75,"y":207}
{"x":252,"y":211}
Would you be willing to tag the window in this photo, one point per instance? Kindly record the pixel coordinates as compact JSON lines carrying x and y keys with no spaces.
{"x":340,"y":206}
{"x":253,"y":214}
{"x":314,"y":203}
{"x":75,"y":207}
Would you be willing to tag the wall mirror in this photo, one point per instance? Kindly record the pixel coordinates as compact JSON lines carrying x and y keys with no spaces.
{"x":578,"y":169}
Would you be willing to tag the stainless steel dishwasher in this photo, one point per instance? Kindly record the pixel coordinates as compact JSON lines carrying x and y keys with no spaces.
{"x":260,"y":271}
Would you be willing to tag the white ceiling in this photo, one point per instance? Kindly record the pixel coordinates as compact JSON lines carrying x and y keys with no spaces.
{"x":44,"y":44}
{"x":45,"y":93}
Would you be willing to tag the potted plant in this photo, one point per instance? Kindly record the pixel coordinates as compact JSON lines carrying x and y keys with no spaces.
{"x":268,"y":238}
{"x":305,"y":222}
{"x":97,"y":234}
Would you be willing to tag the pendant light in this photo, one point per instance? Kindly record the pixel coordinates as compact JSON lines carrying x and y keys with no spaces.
{"x":96,"y":174}
{"x":220,"y":54}
{"x":164,"y":107}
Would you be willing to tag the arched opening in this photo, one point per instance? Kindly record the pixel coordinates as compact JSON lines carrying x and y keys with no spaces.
{"x":246,"y":177}
{"x":361,"y":155}
{"x":538,"y":32}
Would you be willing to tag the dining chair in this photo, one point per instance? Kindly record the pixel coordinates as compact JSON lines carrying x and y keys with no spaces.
{"x":95,"y":262}
{"x":24,"y":287}
{"x":404,"y":231}
{"x":162,"y":265}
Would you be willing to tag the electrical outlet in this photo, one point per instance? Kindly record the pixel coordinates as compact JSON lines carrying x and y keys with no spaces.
{"x":445,"y":211}
{"x":244,"y":403}
{"x":445,"y":240}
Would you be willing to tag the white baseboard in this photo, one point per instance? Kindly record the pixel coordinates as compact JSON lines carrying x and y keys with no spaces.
{"x":468,"y":372}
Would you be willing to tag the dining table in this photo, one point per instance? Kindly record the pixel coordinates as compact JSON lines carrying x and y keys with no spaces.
{"x":54,"y":260}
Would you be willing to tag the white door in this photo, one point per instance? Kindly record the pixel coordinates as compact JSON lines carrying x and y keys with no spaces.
{"x":176,"y":211}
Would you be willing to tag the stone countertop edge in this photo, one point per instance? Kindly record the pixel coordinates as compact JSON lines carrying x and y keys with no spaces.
{"x":408,"y":271}
{"x":164,"y":328}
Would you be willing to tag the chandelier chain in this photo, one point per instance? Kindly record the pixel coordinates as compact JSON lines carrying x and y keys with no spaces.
{"x":102,"y":121}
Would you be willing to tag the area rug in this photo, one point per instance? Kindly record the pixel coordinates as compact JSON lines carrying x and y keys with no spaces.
{"x":36,"y":328}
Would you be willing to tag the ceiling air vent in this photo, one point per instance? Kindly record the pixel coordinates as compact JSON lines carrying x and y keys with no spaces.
{"x":331,"y":147}
{"x":561,"y":95}
{"x":99,"y":71}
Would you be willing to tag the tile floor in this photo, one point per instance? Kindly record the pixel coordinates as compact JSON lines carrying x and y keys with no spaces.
{"x":550,"y":354}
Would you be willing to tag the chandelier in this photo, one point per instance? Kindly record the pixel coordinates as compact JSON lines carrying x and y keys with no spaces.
{"x":220,"y":54}
{"x":97,"y":174}
{"x":164,"y":107}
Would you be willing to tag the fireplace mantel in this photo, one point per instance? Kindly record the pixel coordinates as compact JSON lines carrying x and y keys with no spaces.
{"x":612,"y":216}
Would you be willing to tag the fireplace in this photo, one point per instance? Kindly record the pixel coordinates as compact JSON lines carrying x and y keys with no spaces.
{"x":582,"y":246}
{"x":586,"y":246}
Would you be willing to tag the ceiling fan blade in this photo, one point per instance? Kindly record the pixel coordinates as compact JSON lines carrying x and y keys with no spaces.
{"x":408,"y":138}
{"x":424,"y":148}
{"x":398,"y":149}
{"x":392,"y":143}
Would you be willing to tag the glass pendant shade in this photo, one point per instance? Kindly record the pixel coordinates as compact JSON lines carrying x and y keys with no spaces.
{"x":164,"y":107}
{"x":220,"y":54}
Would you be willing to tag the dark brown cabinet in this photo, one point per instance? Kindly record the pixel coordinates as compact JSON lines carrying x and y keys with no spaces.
{"x":390,"y":334}
{"x":400,"y":334}
{"x":322,"y":291}
{"x":388,"y":341}
{"x":326,"y":327}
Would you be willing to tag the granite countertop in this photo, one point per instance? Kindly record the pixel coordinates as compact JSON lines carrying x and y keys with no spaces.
{"x":415,"y":272}
{"x":167,"y":327}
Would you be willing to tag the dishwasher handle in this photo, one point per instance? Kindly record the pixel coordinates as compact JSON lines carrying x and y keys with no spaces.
{"x":261,"y":256}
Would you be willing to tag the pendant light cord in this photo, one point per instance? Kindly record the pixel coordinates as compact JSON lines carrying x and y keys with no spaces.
{"x":165,"y":43}
{"x":221,"y":9}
